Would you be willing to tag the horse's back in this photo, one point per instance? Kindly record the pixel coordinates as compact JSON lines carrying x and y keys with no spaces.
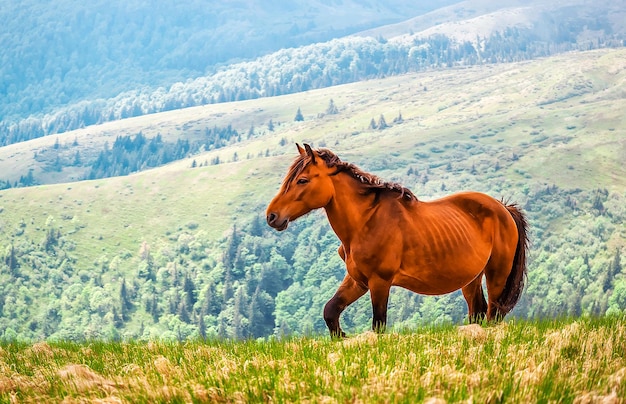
{"x":449,"y":241}
{"x":476,"y":205}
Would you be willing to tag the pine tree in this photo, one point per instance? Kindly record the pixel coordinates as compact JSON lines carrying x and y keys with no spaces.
{"x":183,"y":312}
{"x":382,"y":124}
{"x":256,"y":226}
{"x":189,"y":288}
{"x":11,"y":260}
{"x":125,"y":302}
{"x":221,"y":328}
{"x":614,"y":269}
{"x":154,"y":309}
{"x":299,"y":117}
{"x":77,"y":160}
{"x":332,"y":108}
{"x":239,"y":328}
{"x":201,"y":327}
{"x":232,"y":245}
{"x":616,"y":264}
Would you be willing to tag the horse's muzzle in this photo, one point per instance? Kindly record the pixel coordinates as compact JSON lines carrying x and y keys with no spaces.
{"x":274,"y":221}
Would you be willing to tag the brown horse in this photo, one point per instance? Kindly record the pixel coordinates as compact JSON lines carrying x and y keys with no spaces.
{"x":389,"y":237}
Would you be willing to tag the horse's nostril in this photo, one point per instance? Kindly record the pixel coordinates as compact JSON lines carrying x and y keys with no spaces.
{"x":271,"y":218}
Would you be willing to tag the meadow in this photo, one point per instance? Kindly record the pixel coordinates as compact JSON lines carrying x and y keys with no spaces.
{"x":580,"y":360}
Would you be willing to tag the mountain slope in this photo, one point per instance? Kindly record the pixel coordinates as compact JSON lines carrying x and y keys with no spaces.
{"x":132,"y":83}
{"x":550,"y":21}
{"x":182,"y":248}
{"x":516,"y":93}
{"x":52,"y":53}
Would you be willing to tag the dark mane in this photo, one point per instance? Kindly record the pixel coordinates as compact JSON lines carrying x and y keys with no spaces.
{"x":370,"y":181}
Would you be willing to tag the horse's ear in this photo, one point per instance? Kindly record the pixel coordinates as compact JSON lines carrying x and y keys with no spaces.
{"x":300,"y":149}
{"x":309,"y":151}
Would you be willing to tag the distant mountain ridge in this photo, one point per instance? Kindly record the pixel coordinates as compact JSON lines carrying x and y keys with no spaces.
{"x":57,"y":54}
{"x":467,"y":20}
{"x":566,"y":25}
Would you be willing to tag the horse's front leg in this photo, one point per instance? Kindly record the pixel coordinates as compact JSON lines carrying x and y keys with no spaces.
{"x":379,"y":292}
{"x":349,"y":291}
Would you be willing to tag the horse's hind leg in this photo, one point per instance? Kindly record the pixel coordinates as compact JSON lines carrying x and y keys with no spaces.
{"x":476,"y":303}
{"x":349,"y":291}
{"x":496,"y":280}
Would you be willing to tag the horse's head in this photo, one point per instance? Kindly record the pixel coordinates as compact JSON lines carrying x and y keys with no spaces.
{"x":306,"y":187}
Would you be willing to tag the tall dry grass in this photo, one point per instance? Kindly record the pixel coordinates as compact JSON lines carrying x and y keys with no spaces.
{"x":570,"y":361}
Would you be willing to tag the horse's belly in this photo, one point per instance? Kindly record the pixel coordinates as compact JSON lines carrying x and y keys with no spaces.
{"x":434,"y":281}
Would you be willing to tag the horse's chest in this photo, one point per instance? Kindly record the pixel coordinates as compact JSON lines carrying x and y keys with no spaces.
{"x":362,"y":264}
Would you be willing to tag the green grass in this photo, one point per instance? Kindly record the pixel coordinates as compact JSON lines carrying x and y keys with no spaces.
{"x":517,"y":361}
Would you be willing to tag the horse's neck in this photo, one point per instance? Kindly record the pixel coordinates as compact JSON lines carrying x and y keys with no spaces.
{"x":349,"y":208}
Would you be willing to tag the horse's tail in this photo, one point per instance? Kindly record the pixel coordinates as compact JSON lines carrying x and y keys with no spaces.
{"x":515,"y":282}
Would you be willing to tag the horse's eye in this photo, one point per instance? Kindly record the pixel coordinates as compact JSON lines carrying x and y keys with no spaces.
{"x":303,"y":181}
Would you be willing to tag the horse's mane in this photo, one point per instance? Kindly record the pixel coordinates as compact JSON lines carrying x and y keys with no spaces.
{"x":370,"y":181}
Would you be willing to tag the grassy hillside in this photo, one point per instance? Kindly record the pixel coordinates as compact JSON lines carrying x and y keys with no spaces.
{"x":559,"y":361}
{"x":566,"y":106}
{"x":562,"y":116}
{"x":548,"y":134}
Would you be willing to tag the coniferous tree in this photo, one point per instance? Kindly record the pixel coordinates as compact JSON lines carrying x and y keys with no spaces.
{"x":382,"y":124}
{"x":615,"y":267}
{"x":332,"y":108}
{"x":11,"y":260}
{"x":126,"y":303}
{"x":201,"y":327}
{"x":299,"y":117}
{"x":257,"y":226}
{"x":154,"y":308}
{"x":183,"y":312}
{"x":616,"y":263}
{"x":239,"y":328}
{"x":189,"y":289}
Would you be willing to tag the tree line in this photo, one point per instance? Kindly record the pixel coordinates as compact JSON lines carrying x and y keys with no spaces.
{"x":135,"y":153}
{"x":319,"y":65}
{"x":128,"y":154}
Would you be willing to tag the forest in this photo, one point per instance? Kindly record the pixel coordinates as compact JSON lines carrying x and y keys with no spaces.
{"x":319,"y":65}
{"x":61,"y":54}
{"x":131,"y":154}
{"x":128,"y":154}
